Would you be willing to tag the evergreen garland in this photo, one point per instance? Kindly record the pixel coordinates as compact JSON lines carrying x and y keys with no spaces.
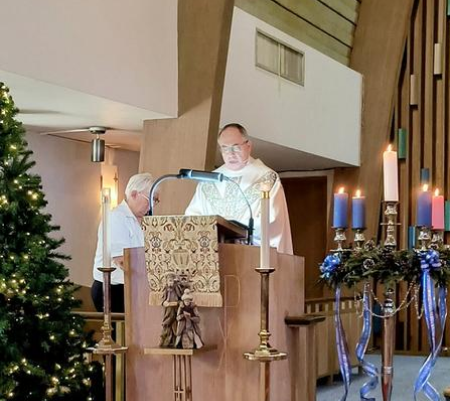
{"x":384,"y":265}
{"x":42,"y":343}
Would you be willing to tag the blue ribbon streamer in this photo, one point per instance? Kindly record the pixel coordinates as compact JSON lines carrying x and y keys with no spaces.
{"x":430,"y":260}
{"x":361,"y":348}
{"x":342,"y":348}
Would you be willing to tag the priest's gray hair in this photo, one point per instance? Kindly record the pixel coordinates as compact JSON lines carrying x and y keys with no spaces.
{"x":239,"y":127}
{"x":141,"y":182}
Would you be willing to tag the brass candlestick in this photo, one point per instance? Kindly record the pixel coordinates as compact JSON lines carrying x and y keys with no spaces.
{"x":107,"y":346}
{"x":264,"y":353}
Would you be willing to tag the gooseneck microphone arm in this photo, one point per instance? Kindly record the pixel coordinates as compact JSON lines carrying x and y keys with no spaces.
{"x":219,"y":177}
{"x":153,"y":189}
{"x":199,"y":175}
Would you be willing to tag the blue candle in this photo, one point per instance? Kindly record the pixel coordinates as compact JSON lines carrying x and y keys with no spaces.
{"x":340,"y":209}
{"x":358,"y":211}
{"x":424,"y":208}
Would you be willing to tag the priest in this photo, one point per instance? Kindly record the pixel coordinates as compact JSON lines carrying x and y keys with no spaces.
{"x":226,"y":200}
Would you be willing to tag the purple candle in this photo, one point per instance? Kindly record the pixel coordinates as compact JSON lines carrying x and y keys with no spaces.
{"x":340,"y":209}
{"x":424,"y":208}
{"x":358,"y":211}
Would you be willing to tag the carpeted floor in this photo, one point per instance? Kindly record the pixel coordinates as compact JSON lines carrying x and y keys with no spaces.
{"x":405,"y":373}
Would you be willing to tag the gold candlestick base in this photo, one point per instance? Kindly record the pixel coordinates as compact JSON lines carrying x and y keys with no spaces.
{"x":265,"y":354}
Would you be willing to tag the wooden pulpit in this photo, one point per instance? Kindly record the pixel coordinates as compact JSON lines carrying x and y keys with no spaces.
{"x":230,"y":330}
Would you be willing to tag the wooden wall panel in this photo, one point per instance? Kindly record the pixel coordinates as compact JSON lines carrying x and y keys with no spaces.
{"x":307,"y":202}
{"x":190,"y":140}
{"x":326,"y":25}
{"x":379,"y":43}
{"x":421,"y":108}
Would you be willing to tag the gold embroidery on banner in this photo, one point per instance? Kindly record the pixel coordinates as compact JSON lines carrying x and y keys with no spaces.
{"x":186,"y":246}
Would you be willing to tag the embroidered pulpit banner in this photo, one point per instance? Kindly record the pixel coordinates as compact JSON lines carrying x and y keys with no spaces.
{"x":186,"y":248}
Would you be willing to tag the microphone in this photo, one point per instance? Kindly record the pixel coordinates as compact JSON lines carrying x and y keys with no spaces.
{"x":219,"y":177}
{"x":201,"y":175}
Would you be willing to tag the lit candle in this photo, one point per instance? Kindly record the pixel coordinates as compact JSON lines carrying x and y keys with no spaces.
{"x":358,"y":211}
{"x":340,"y":209}
{"x":265,"y":239}
{"x":106,"y":240}
{"x":437,"y":216}
{"x":390,"y":175}
{"x":424,"y":208}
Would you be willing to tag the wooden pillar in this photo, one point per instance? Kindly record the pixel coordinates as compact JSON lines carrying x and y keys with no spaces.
{"x":189,"y":141}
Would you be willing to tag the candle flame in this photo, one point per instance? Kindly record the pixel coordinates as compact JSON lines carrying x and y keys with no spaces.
{"x":358,"y":193}
{"x":425,"y":188}
{"x":389,"y":149}
{"x":436,"y":192}
{"x":341,"y":190}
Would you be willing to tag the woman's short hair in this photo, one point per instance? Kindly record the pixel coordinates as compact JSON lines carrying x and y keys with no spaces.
{"x":141,"y":182}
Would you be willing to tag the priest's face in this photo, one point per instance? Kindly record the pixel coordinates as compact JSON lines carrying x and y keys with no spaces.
{"x":235,"y":148}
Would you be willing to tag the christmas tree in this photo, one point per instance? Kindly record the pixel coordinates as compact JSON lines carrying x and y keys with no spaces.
{"x":42,"y":342}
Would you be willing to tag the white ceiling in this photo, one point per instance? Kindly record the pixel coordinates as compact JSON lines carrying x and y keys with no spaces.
{"x":46,"y":107}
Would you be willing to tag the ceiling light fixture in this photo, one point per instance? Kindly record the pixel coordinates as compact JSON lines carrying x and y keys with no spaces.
{"x":97,"y":145}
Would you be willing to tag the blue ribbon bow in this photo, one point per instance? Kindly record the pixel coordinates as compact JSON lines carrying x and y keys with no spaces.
{"x":342,"y":347}
{"x":361,"y":348}
{"x":330,"y":264}
{"x":435,"y":321}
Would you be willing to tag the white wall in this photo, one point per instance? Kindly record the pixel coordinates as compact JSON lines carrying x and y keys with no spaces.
{"x":118,"y":50}
{"x":321,"y":118}
{"x":71,"y":184}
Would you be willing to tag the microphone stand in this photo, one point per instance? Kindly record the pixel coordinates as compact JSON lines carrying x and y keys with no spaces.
{"x":203,"y":176}
{"x":155,"y":184}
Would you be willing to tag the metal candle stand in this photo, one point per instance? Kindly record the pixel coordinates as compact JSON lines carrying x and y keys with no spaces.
{"x":107,"y":346}
{"x":264,"y":353}
{"x":388,"y":307}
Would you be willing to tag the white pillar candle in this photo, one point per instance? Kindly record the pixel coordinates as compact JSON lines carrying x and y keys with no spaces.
{"x":390,"y":175}
{"x":106,"y":239}
{"x":265,"y":238}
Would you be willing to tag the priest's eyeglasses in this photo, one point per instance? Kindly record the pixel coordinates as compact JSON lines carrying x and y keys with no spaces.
{"x":233,"y":148}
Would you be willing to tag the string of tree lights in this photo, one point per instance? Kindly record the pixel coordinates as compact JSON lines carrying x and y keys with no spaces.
{"x":42,"y":343}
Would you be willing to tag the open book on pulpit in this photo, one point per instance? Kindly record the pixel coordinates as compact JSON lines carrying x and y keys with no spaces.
{"x":187,"y":247}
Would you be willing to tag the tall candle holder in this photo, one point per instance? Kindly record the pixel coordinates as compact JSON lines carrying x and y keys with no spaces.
{"x":387,"y":352}
{"x":265,"y":353}
{"x":107,"y":346}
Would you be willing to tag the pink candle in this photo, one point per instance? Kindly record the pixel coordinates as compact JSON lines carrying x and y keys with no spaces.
{"x":437,"y":208}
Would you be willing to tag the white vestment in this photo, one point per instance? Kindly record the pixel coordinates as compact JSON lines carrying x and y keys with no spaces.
{"x":225,"y":199}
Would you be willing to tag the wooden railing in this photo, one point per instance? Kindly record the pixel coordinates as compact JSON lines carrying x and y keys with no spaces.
{"x":327,"y":359}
